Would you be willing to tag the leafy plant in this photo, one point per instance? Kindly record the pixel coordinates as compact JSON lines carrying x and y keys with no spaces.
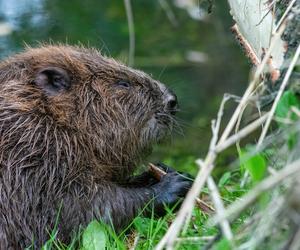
{"x":287,"y":101}
{"x":94,"y":237}
{"x":255,"y":163}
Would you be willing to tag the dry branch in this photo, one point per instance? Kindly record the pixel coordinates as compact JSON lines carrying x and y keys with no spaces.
{"x":214,"y":192}
{"x":242,"y":133}
{"x":244,"y":43}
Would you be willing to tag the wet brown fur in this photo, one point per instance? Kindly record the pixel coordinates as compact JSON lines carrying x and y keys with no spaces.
{"x":65,"y":156}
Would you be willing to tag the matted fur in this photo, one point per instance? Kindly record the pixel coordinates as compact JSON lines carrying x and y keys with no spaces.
{"x":66,"y":157}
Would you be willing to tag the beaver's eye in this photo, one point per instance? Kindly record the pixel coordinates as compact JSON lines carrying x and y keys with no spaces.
{"x":123,"y":83}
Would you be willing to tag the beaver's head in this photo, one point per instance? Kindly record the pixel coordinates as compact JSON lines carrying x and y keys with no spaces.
{"x":120,"y":112}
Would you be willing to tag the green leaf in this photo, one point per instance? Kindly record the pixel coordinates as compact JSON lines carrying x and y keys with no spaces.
{"x":283,"y":109}
{"x":223,"y":244}
{"x":224,"y":179}
{"x":255,"y":164}
{"x":94,"y":237}
{"x":142,"y":224}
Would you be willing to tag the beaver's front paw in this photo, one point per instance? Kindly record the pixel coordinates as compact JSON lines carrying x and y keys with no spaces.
{"x":171,"y":188}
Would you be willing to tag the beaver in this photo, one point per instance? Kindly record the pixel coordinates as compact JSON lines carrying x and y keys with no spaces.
{"x":74,"y":127}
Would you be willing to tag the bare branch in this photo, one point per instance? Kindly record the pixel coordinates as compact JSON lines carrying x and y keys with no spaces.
{"x":214,"y":192}
{"x":244,"y":43}
{"x":284,"y":14}
{"x":242,"y":133}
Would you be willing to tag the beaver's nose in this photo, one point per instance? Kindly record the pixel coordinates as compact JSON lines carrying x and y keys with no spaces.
{"x":171,"y":103}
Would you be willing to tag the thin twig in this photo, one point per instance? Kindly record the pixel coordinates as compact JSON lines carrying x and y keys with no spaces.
{"x":202,"y":238}
{"x":187,"y":204}
{"x":268,"y":183}
{"x":216,"y":126}
{"x":295,"y":110}
{"x":215,"y":195}
{"x":252,"y":85}
{"x":242,"y":133}
{"x":214,"y":192}
{"x":131,"y":32}
{"x":296,"y":241}
{"x":279,"y":94}
{"x":284,"y":14}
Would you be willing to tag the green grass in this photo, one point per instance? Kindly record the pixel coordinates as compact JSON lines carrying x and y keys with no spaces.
{"x":150,"y":230}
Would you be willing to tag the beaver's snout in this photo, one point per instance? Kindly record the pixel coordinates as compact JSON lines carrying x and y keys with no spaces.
{"x":170,"y":102}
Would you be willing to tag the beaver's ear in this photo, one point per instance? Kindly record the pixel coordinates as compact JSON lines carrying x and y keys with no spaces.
{"x":53,"y":80}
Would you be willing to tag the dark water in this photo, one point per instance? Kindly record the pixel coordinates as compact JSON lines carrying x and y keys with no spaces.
{"x":163,"y":49}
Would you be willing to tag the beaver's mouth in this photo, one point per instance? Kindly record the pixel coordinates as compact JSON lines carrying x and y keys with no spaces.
{"x":158,"y":127}
{"x":165,"y":120}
